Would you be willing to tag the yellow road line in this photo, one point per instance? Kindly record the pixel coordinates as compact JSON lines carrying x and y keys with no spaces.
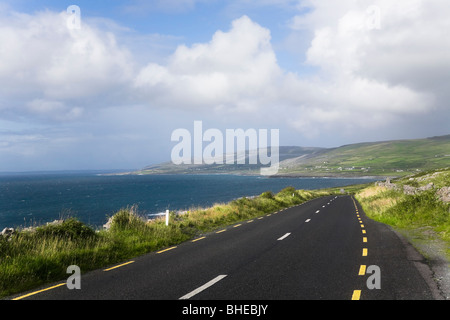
{"x":36,"y":292}
{"x":166,"y":250}
{"x":362,"y":226}
{"x":364,"y":239}
{"x":362,"y":270}
{"x":221,"y":231}
{"x":250,"y":221}
{"x":364,"y":252}
{"x":195,"y":240}
{"x":363,"y":231}
{"x":356,"y":294}
{"x":120,"y":265}
{"x":237,"y":225}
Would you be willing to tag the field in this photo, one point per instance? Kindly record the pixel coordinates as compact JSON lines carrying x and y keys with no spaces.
{"x":390,"y":158}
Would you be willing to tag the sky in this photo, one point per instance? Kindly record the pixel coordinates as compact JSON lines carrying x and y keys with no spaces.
{"x":106,"y":88}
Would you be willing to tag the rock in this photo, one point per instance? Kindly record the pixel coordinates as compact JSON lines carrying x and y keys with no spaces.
{"x":444,"y":194}
{"x":7,"y":232}
{"x":409,"y":189}
{"x":427,"y":187}
{"x":107,"y":225}
{"x":55,"y":222}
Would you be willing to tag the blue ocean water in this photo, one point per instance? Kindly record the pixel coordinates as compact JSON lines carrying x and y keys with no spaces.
{"x":34,"y":199}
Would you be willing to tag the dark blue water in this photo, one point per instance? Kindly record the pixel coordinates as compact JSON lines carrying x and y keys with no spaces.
{"x":27,"y":200}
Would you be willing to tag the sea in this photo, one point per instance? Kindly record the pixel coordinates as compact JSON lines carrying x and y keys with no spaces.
{"x":33,"y":199}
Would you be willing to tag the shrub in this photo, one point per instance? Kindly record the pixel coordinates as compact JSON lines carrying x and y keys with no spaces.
{"x":126,"y":219}
{"x":267,"y":195}
{"x":70,"y":229}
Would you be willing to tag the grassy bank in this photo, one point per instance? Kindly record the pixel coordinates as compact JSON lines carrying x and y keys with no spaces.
{"x":42,"y":255}
{"x":414,"y":206}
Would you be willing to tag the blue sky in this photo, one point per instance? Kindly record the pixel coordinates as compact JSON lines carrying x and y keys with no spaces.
{"x":108,"y":95}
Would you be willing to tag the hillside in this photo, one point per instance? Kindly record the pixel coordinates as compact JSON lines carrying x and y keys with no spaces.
{"x":385,"y":158}
{"x":285,"y":152}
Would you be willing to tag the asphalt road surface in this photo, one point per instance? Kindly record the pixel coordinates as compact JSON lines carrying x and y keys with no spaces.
{"x":324,"y":249}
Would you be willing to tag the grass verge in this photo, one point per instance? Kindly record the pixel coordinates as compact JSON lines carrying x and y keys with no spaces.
{"x":420,"y":214}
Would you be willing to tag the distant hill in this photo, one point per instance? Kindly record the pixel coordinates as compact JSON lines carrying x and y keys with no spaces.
{"x":285,"y":153}
{"x":385,"y":158}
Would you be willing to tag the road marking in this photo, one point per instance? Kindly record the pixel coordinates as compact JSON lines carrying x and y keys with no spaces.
{"x":317,"y":211}
{"x":221,"y":231}
{"x":203,"y":287}
{"x":364,"y":252}
{"x":250,"y":221}
{"x":356,"y":294}
{"x":362,"y":270}
{"x":364,"y":239}
{"x":284,"y":237}
{"x":36,"y":292}
{"x":238,"y":225}
{"x":195,"y":240}
{"x":120,"y":265}
{"x":307,"y":220}
{"x":362,"y":226}
{"x":260,"y":218}
{"x":166,"y":249}
{"x":363,"y":231}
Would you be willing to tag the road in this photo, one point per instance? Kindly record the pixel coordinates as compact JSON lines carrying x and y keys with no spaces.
{"x":325,"y":248}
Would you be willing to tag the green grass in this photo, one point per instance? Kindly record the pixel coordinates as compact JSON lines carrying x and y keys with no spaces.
{"x":33,"y":258}
{"x":421,"y":211}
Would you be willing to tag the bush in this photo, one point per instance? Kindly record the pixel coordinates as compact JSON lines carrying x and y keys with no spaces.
{"x":288,"y":191}
{"x":126,"y":219}
{"x":70,"y":229}
{"x":267,"y":195}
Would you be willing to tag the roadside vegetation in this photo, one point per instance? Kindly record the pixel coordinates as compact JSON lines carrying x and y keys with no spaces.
{"x":31,"y":258}
{"x":417,"y":205}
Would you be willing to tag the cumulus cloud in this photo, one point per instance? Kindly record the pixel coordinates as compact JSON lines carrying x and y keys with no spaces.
{"x":236,"y":70}
{"x":46,"y":65}
{"x":379,"y":60}
{"x":376,"y":62}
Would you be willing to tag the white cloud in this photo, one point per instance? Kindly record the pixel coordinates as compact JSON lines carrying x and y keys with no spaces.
{"x":236,"y":68}
{"x":367,"y":72}
{"x":379,"y":61}
{"x":44,"y":60}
